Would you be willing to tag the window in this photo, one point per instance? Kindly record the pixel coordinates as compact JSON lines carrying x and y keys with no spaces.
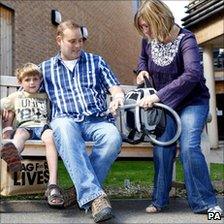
{"x":136,"y":4}
{"x":218,"y":55}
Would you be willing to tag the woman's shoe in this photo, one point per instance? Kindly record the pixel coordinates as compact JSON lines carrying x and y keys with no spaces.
{"x":215,"y":209}
{"x":152,"y":209}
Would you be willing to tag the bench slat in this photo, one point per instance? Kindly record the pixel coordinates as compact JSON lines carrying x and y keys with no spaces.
{"x":144,"y":150}
{"x":4,"y":91}
{"x":9,"y":81}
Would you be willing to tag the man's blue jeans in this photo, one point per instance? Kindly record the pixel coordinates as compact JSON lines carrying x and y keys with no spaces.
{"x":200,"y":192}
{"x":87,"y":171}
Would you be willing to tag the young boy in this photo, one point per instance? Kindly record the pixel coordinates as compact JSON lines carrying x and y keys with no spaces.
{"x":31,"y":113}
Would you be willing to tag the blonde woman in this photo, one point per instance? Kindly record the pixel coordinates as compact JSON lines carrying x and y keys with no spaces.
{"x":170,"y":55}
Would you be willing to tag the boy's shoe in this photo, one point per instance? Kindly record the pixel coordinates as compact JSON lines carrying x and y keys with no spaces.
{"x":54,"y":196}
{"x":69,"y":196}
{"x":10,"y":154}
{"x":101,"y":209}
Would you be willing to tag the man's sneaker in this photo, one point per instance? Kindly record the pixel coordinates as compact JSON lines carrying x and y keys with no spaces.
{"x":215,"y":209}
{"x":101,"y":209}
{"x":69,"y":196}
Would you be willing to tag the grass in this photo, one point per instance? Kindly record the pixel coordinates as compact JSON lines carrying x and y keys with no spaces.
{"x":138,"y":173}
{"x":135,"y":171}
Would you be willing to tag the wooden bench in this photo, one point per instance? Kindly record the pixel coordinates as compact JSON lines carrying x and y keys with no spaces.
{"x":144,"y":150}
{"x":36,"y":147}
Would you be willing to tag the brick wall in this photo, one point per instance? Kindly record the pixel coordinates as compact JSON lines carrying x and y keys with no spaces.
{"x":110,"y":26}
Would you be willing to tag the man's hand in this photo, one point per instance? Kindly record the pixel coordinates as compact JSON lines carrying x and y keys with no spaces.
{"x":140,"y":77}
{"x":118,"y":100}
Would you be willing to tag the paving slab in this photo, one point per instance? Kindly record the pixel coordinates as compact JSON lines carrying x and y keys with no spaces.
{"x":125,"y":211}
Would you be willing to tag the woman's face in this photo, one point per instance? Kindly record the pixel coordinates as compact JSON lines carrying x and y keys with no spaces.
{"x":145,"y":28}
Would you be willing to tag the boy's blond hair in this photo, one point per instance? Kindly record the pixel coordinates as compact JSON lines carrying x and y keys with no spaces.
{"x":158,"y":16}
{"x":28,"y":69}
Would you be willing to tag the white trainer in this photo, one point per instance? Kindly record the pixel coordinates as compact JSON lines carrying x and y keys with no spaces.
{"x":216,"y":209}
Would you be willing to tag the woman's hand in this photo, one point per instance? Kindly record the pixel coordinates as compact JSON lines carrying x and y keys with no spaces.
{"x":140,"y":77}
{"x":148,"y":101}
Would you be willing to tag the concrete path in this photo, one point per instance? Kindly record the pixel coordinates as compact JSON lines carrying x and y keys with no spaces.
{"x":125,"y":211}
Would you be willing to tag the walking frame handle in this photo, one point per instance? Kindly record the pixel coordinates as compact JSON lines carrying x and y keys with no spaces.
{"x":173,"y":112}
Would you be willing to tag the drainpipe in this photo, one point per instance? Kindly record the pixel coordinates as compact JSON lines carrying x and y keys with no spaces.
{"x":210,"y":82}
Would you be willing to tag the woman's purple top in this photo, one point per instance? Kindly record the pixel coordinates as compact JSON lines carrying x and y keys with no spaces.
{"x":176,"y":70}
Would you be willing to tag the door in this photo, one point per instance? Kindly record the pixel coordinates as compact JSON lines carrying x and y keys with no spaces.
{"x":6,"y":20}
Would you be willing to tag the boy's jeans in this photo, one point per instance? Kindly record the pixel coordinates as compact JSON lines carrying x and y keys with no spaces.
{"x":200,"y":192}
{"x":87,"y":172}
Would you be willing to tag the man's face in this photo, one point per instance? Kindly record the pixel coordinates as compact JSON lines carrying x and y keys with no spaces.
{"x":70,"y":44}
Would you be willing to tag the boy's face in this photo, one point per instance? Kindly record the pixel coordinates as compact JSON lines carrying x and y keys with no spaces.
{"x":70,"y":44}
{"x":31,"y":84}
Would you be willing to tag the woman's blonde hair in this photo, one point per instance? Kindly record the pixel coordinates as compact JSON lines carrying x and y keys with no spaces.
{"x":158,"y":16}
{"x":69,"y":24}
{"x":28,"y":69}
